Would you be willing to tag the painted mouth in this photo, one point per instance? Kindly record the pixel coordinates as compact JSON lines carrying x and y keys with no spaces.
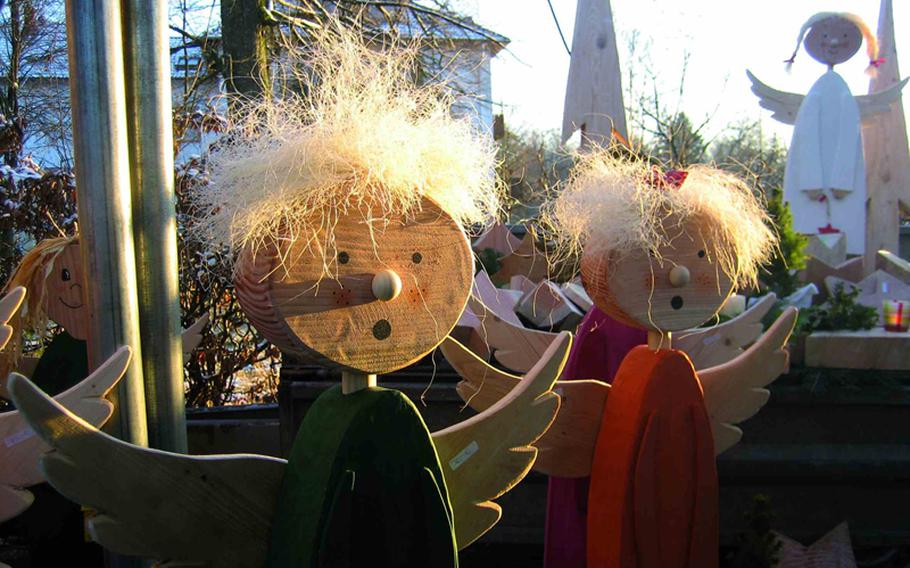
{"x":70,"y":306}
{"x":676,"y":302}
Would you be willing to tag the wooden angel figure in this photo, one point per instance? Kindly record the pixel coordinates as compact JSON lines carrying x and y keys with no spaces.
{"x":660,"y":253}
{"x":346,"y":211}
{"x":825,"y":179}
{"x":52,"y":273}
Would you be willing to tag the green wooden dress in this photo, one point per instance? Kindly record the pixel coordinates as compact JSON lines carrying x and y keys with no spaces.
{"x":363,"y":487}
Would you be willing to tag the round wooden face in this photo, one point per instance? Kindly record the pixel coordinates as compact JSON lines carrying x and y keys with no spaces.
{"x":339,"y":321}
{"x":636,"y":287}
{"x":833,"y":40}
{"x":64,"y":296}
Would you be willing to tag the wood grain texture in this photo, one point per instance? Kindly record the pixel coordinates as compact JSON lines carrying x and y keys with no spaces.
{"x":634,"y":287}
{"x":547,"y":306}
{"x":65,"y":298}
{"x":816,"y":271}
{"x":486,"y":455}
{"x":830,"y":249}
{"x":516,"y":347}
{"x":9,"y":305}
{"x":154,"y":504}
{"x":500,"y":301}
{"x":337,"y":321}
{"x":21,"y":449}
{"x":864,"y":349}
{"x":526,"y":261}
{"x":720,"y":343}
{"x":893,"y":265}
{"x":567,"y":447}
{"x":734,"y":391}
{"x":498,"y":238}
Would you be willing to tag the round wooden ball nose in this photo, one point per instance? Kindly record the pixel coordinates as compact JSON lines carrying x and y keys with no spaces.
{"x":386,"y":285}
{"x":679,"y":276}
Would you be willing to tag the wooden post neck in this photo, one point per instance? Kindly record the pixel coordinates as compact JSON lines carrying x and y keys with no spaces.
{"x":352,"y":382}
{"x":658,"y":340}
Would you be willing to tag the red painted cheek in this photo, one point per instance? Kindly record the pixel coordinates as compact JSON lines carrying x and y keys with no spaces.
{"x":704,"y":280}
{"x":647,"y":280}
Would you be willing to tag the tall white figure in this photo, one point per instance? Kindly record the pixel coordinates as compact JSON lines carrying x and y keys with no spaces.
{"x":825,"y":179}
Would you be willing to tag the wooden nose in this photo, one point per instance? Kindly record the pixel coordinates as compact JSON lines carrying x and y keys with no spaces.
{"x":386,"y":285}
{"x":679,"y":276}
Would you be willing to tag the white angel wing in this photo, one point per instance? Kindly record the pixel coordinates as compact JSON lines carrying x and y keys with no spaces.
{"x":215,"y":510}
{"x":567,"y":447}
{"x":486,"y":455}
{"x":192,"y":336}
{"x":22,"y":449}
{"x":9,"y":304}
{"x":715,"y":345}
{"x":875,"y":103}
{"x":734,"y":391}
{"x":784,"y":105}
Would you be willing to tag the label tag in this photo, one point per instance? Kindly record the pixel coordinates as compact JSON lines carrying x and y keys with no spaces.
{"x":463,"y":456}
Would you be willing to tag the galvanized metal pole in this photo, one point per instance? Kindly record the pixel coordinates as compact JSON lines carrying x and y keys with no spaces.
{"x":103,"y":190}
{"x":148,"y":100}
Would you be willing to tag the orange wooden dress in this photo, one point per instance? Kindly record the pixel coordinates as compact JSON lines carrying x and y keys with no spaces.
{"x":653,"y":494}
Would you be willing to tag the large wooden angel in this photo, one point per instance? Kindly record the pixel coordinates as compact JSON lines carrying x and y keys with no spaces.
{"x":662,"y":257}
{"x":825,"y":179}
{"x":346,"y":210}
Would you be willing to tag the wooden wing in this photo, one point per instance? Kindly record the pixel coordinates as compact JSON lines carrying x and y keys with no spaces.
{"x":9,"y":304}
{"x":514,"y":346}
{"x":734,"y":391}
{"x":876,"y":103}
{"x":715,"y":345}
{"x":22,"y":449}
{"x":215,"y":510}
{"x":192,"y":336}
{"x":567,"y":447}
{"x":486,"y":455}
{"x":782,"y":104}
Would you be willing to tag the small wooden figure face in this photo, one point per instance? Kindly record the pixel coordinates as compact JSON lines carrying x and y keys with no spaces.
{"x":833,"y":40}
{"x":397,"y":289}
{"x":680,"y":288}
{"x":64,"y":295}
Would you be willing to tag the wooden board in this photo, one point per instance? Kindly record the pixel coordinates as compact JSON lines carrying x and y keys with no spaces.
{"x":486,"y":455}
{"x":521,"y":284}
{"x":516,"y":347}
{"x":337,"y":321}
{"x":829,"y":248}
{"x":21,"y":448}
{"x":9,"y":305}
{"x":154,"y":504}
{"x":863,"y":349}
{"x":816,"y":271}
{"x":893,"y":265}
{"x":526,"y":261}
{"x":720,"y":343}
{"x":546,"y":306}
{"x":576,"y":293}
{"x":500,"y":302}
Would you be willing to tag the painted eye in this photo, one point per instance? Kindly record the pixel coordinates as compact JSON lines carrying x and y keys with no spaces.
{"x":416,"y":258}
{"x":701,"y":254}
{"x":66,"y":275}
{"x":343,"y":258}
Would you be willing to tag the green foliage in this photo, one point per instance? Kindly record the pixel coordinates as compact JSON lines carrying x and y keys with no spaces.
{"x":841,"y":311}
{"x":758,"y":546}
{"x":489,"y":260}
{"x":780,"y":274}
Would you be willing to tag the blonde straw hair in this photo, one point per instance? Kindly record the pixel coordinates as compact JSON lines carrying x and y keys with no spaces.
{"x":362,"y":137}
{"x":611,"y":203}
{"x":32,"y":274}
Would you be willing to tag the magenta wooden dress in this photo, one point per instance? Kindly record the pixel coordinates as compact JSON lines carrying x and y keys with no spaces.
{"x":600,"y":345}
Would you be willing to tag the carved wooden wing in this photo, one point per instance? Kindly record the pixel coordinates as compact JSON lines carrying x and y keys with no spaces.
{"x":9,"y":304}
{"x":210,"y":510}
{"x":875,"y":103}
{"x":487,"y":454}
{"x":784,"y":105}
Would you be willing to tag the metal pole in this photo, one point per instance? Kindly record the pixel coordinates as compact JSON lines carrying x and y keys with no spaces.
{"x":103,"y":197}
{"x":148,"y":101}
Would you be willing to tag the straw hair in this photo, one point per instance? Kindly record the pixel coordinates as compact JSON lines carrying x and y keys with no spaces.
{"x":871,"y":41}
{"x":613,"y":204}
{"x":363,"y":138}
{"x":32,"y":274}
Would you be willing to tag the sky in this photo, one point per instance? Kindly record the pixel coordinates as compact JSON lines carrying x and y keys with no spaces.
{"x":723,"y":37}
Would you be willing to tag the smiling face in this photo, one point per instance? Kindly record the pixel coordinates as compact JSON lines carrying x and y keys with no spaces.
{"x":680,"y":288}
{"x":65,"y":302}
{"x":833,"y":40}
{"x":394,"y":294}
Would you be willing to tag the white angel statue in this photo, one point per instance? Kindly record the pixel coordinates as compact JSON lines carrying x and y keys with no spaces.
{"x":825,"y":179}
